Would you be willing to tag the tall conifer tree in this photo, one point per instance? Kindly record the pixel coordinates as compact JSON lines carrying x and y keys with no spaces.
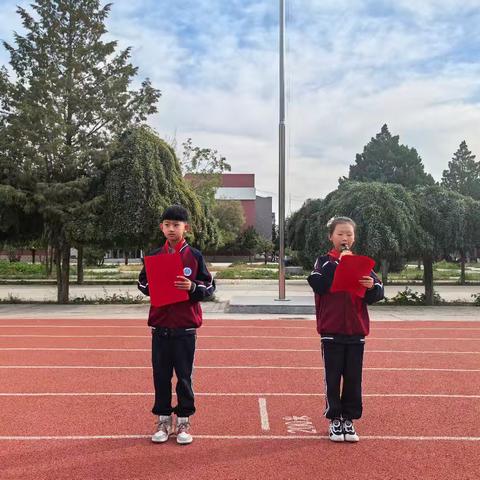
{"x":68,"y":100}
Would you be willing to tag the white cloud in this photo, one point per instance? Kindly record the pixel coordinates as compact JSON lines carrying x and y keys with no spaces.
{"x":352,"y":66}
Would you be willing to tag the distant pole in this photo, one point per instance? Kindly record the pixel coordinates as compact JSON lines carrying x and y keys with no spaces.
{"x":281,"y":149}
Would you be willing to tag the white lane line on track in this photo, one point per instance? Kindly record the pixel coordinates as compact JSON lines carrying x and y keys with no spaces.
{"x":242,"y":437}
{"x":235,"y":394}
{"x":144,"y":327}
{"x":240,"y":319}
{"x":310,"y":350}
{"x":230,"y":367}
{"x":262,"y":405}
{"x":304,"y":337}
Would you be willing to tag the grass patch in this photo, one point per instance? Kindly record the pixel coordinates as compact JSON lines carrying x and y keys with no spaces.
{"x":252,"y":271}
{"x":114,"y":298}
{"x":441,"y":271}
{"x":22,"y":270}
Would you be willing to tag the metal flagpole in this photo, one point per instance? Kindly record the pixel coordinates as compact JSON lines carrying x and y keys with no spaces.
{"x":281,"y":176}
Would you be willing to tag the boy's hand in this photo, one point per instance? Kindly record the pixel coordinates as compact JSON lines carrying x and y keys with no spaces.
{"x":367,"y":282}
{"x":183,"y":283}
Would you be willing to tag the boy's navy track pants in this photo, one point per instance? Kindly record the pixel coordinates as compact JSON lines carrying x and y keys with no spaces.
{"x":173,"y":350}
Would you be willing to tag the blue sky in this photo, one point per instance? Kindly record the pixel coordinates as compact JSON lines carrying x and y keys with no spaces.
{"x":353,"y":65}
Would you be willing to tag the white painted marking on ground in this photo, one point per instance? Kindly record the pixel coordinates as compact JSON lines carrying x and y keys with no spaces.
{"x":289,"y":327}
{"x":313,"y":337}
{"x":66,"y":349}
{"x":233,"y":367}
{"x":241,"y":318}
{"x":233,"y":394}
{"x":242,"y":437}
{"x":299,"y":424}
{"x":308,"y":350}
{"x":262,"y":405}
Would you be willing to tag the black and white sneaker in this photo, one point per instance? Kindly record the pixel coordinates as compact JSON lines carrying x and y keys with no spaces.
{"x":335,"y":431}
{"x":349,"y":431}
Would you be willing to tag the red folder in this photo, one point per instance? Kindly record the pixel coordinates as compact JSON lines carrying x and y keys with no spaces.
{"x":162,"y":271}
{"x":349,"y":271}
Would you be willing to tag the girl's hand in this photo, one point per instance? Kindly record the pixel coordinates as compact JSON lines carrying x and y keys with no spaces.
{"x":183,"y":283}
{"x":367,"y":282}
{"x":345,"y":252}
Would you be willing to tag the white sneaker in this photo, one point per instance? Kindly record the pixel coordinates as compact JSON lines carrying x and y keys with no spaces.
{"x":335,"y":431}
{"x":183,"y":431}
{"x":163,"y":430}
{"x":349,"y":431}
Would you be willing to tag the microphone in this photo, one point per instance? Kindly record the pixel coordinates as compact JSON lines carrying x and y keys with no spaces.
{"x":344,"y":247}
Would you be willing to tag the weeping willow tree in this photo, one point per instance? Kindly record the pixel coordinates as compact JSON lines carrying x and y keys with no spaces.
{"x":385,"y":215}
{"x":144,"y":179}
{"x":297,"y":226}
{"x":450,"y":222}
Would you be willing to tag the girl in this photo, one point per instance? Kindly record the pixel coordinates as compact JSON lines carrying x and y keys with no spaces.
{"x":343,"y":323}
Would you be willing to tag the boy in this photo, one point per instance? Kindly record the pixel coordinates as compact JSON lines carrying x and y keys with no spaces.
{"x":174,"y":329}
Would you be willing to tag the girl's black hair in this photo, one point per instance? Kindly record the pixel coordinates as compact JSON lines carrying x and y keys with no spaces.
{"x":334,"y":221}
{"x":175,"y":212}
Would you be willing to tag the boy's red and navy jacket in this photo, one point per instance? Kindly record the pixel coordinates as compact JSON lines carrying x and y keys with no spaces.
{"x":186,"y":314}
{"x":340,"y":313}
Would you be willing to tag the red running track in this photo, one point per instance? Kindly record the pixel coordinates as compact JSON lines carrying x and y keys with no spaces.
{"x":71,"y":407}
{"x":396,"y":357}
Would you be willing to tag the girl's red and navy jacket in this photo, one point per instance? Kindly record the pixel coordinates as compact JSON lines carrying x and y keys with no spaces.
{"x":340,"y":313}
{"x":186,"y":314}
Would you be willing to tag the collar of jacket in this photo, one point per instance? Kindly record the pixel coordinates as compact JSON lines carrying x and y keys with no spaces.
{"x":335,"y":254}
{"x":178,"y":246}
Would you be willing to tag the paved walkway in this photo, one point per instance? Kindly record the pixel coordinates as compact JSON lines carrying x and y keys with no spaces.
{"x":226,"y":290}
{"x":216,"y":310}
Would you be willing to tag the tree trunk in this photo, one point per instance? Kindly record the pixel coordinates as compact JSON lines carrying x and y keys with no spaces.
{"x":62,"y":256}
{"x":33,"y":255}
{"x":80,"y":265}
{"x":428,"y":279}
{"x":462,"y":267}
{"x":52,"y":259}
{"x":49,"y":261}
{"x":384,"y":270}
{"x":126,"y":258}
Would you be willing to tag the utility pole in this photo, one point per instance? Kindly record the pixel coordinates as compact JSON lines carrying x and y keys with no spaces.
{"x":281,"y":170}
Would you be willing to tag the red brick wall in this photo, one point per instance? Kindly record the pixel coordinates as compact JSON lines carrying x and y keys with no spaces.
{"x":238,"y":180}
{"x":249,"y":212}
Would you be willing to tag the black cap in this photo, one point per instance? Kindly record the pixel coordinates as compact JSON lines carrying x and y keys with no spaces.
{"x":175,"y":212}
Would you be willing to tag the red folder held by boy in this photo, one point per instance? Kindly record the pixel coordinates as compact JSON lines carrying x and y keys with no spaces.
{"x":162,"y":272}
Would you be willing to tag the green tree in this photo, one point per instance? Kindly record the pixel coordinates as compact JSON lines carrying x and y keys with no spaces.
{"x":448,"y":225}
{"x":145,"y":178}
{"x":249,"y":241}
{"x":203,"y":168}
{"x":230,"y":219}
{"x":472,"y":234}
{"x":68,"y":99}
{"x":463,"y":174}
{"x":296,"y":228}
{"x":205,"y":161}
{"x":265,"y":247}
{"x":385,"y":160}
{"x":385,"y":216}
